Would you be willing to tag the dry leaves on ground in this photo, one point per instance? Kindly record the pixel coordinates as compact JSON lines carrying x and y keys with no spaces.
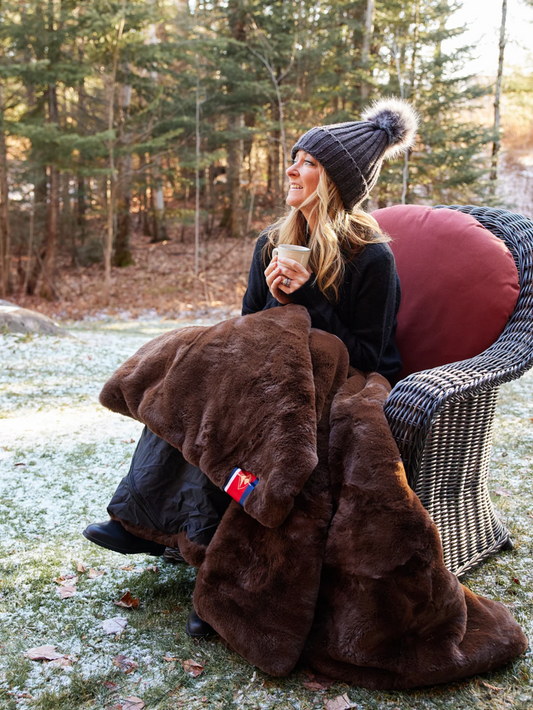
{"x":94,"y":573}
{"x":341,"y":702}
{"x":66,"y":592}
{"x":67,"y":585}
{"x":67,"y":580}
{"x":116,"y":625}
{"x":167,"y":657}
{"x":489,"y":686}
{"x":128,"y":568}
{"x":317,"y":682}
{"x":192,"y":667}
{"x":81,"y":568}
{"x":152,"y":568}
{"x":128,"y":601}
{"x":44,"y":653}
{"x":128,"y":665}
{"x":132,"y":703}
{"x":502,"y":492}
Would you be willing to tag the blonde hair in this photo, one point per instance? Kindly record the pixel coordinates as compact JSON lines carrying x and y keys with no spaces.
{"x":337,"y":236}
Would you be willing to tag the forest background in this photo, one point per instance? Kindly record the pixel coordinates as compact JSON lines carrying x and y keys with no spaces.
{"x":143,"y":143}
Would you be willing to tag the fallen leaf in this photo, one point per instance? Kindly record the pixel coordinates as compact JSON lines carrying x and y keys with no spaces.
{"x":116,"y":625}
{"x":128,"y":568}
{"x":69,"y":580}
{"x":192,"y":668}
{"x":43,"y":653}
{"x":20,"y":464}
{"x":81,"y":568}
{"x":502,"y":492}
{"x":516,"y":580}
{"x":168,"y":657}
{"x":125,"y":441}
{"x":152,"y":568}
{"x":94,"y":573}
{"x":125,"y":664}
{"x":489,"y":686}
{"x":322,"y":681}
{"x":341,"y":702}
{"x":127,"y":601}
{"x":110,"y":686}
{"x":133,"y":703}
{"x":65,"y":591}
{"x":312,"y":685}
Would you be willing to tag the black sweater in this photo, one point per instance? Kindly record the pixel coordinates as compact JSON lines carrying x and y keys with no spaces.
{"x":364,"y":317}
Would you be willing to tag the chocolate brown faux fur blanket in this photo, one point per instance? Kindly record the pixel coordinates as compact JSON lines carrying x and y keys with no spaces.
{"x":333,"y":560}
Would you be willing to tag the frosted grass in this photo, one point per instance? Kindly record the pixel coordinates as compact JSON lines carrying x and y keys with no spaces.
{"x":61,"y":457}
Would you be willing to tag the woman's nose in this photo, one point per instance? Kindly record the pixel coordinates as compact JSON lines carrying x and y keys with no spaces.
{"x":291,"y":170}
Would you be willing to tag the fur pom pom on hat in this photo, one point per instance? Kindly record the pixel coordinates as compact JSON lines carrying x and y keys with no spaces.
{"x":352,"y":153}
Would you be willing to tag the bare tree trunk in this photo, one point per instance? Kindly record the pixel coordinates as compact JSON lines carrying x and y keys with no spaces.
{"x":365,"y":53}
{"x":81,"y":200}
{"x":122,"y":255}
{"x":159,"y":230}
{"x":144,"y":207}
{"x":159,"y":227}
{"x":273,"y":155}
{"x":30,"y":247}
{"x":235,"y":156}
{"x":493,"y":177}
{"x":40,"y":194}
{"x":197,"y":170}
{"x":111,"y":182}
{"x":48,"y":289}
{"x":5,"y":234}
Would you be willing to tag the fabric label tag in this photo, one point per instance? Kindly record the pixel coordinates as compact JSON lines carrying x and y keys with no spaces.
{"x":240,"y":484}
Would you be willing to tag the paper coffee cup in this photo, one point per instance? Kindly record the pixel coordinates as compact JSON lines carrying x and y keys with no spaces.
{"x":293,"y":251}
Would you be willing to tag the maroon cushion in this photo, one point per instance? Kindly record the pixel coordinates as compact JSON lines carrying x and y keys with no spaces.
{"x":459,"y":284}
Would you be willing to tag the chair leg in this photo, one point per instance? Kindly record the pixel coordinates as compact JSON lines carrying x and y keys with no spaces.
{"x":507,"y":545}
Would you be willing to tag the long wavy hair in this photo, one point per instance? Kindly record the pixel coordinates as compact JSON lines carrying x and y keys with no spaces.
{"x":337,"y":236}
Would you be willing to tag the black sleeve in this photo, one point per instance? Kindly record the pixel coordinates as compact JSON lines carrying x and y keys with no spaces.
{"x":255,"y":298}
{"x":368,"y":302}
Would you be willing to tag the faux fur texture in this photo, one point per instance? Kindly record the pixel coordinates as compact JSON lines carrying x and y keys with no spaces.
{"x":195,"y":388}
{"x":347,"y":573}
{"x":398,"y":119}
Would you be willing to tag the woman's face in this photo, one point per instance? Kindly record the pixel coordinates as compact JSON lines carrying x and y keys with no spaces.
{"x":303,"y":174}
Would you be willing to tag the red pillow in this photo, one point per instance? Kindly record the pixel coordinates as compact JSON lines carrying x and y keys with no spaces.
{"x":459,"y":284}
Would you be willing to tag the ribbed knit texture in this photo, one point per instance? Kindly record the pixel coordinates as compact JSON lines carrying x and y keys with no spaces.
{"x":352,"y":152}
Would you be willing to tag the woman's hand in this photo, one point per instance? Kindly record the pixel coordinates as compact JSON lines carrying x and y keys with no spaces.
{"x":283,"y":276}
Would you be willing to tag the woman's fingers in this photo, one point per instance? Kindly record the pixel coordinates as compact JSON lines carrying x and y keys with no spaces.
{"x":291,"y":265}
{"x":277,"y":292}
{"x":293,"y":270}
{"x":281,"y":269}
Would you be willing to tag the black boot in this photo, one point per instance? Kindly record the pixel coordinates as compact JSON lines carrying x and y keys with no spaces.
{"x":113,"y":536}
{"x":196,"y":628}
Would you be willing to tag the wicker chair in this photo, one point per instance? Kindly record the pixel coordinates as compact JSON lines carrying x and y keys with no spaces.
{"x":442,"y":419}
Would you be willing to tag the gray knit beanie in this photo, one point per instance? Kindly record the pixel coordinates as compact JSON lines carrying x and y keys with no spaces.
{"x":352,"y":152}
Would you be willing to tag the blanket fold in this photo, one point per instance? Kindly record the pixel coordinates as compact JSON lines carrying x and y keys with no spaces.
{"x":333,"y":560}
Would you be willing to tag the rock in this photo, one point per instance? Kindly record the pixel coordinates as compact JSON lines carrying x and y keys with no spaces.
{"x":21,"y":320}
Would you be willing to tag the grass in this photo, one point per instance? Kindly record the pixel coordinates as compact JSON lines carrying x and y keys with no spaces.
{"x":71,"y":454}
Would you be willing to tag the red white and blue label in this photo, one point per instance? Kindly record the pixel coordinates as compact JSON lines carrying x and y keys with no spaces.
{"x":240,"y":484}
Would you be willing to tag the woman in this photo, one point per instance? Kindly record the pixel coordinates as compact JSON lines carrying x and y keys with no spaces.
{"x":351,"y":290}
